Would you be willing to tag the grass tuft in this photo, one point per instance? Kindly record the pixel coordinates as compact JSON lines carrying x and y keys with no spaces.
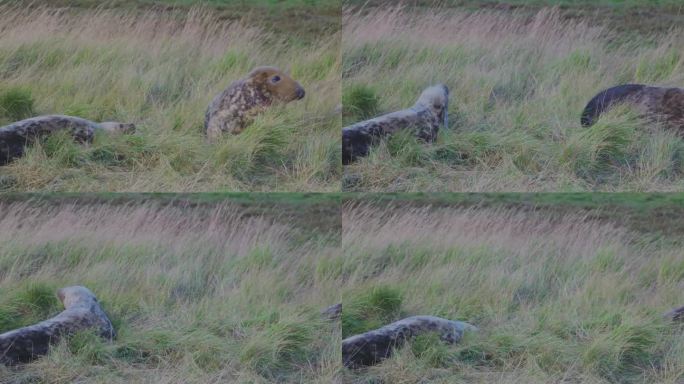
{"x":370,"y":309}
{"x":16,"y":103}
{"x":360,"y":102}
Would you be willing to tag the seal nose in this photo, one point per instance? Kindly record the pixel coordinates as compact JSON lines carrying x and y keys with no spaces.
{"x":300,"y":93}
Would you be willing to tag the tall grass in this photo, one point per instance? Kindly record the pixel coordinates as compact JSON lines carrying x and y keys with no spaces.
{"x":160,"y":70}
{"x":557,"y":298}
{"x":196,"y":295}
{"x":518,"y":86}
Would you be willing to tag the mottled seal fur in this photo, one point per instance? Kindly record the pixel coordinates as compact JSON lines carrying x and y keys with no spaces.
{"x":660,"y":104}
{"x":372,"y":347}
{"x":81,"y":311}
{"x":15,"y":137}
{"x":333,"y":312}
{"x":424,"y":119}
{"x":676,"y":314}
{"x":234,"y":108}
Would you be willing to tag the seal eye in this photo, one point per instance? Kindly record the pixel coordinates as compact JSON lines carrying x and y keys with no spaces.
{"x":275,"y":79}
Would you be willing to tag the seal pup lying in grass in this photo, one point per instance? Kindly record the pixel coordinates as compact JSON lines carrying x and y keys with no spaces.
{"x":234,"y":108}
{"x":81,"y":312}
{"x":15,"y":137}
{"x":372,"y":347}
{"x":424,"y":119}
{"x":659,"y":104}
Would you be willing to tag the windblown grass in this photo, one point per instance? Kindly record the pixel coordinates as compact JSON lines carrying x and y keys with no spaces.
{"x":518,"y":87}
{"x":160,"y":70}
{"x":196,"y":295}
{"x":557,"y":298}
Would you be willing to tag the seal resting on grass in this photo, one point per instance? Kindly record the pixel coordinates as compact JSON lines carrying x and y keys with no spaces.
{"x":15,"y":137}
{"x":654,"y":103}
{"x":81,"y":312}
{"x":234,"y":108}
{"x":424,"y":119}
{"x":372,"y":347}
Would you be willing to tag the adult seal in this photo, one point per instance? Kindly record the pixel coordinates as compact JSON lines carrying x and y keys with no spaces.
{"x":423,"y":119}
{"x":81,"y":312}
{"x":14,"y":138}
{"x":234,"y":108}
{"x":658,"y":104}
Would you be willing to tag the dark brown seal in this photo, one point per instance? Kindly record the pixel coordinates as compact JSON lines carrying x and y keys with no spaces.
{"x":659,"y":104}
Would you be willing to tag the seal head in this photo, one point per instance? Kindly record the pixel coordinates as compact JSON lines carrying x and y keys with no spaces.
{"x":436,"y":98}
{"x":272,"y":81}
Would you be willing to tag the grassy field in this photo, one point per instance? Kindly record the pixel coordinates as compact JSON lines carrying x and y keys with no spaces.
{"x":197,"y":295}
{"x":557,"y":298}
{"x":279,"y":16}
{"x":519,"y":82}
{"x":657,"y":216}
{"x":160,"y":69}
{"x":626,"y":16}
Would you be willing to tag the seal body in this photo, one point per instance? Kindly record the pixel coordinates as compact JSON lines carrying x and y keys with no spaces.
{"x":81,"y":311}
{"x":372,"y":347}
{"x":234,"y":108}
{"x":423,"y":119}
{"x":676,"y":314}
{"x":15,"y":137}
{"x":654,"y":103}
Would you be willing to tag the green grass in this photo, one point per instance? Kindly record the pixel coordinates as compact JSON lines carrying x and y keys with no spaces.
{"x":555,"y":297}
{"x":199,"y":288}
{"x":518,"y":86}
{"x":161,"y":73}
{"x":16,"y":103}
